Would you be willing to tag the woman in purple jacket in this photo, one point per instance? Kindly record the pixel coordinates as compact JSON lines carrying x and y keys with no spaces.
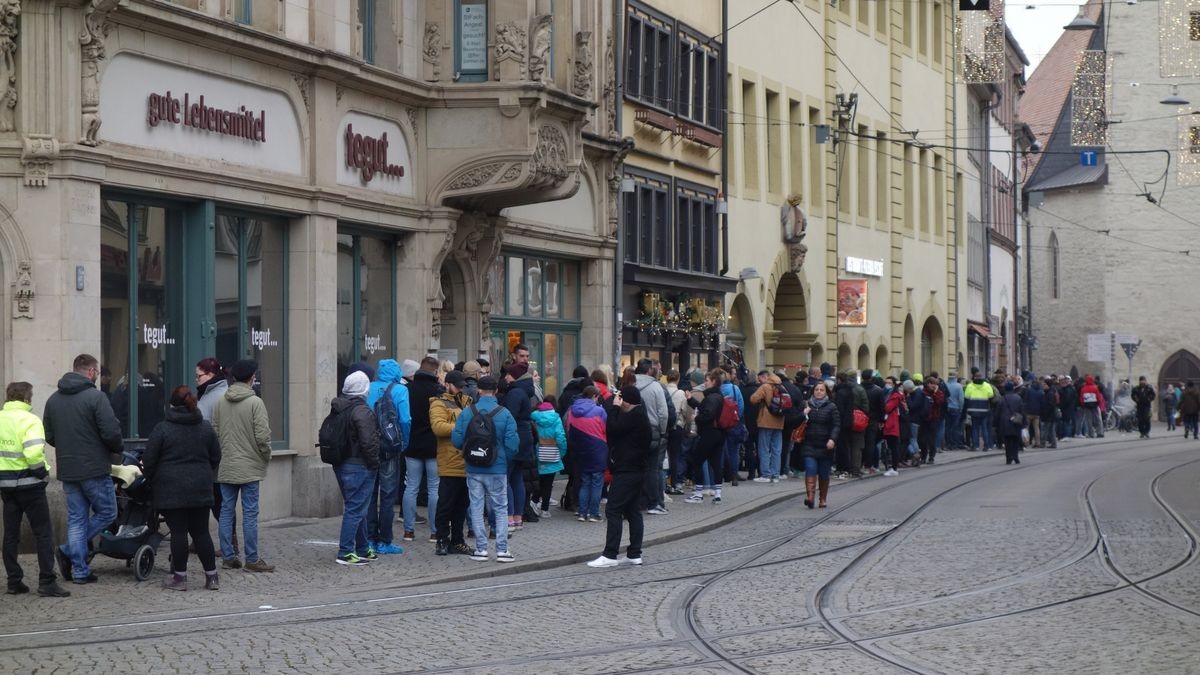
{"x":587,"y":441}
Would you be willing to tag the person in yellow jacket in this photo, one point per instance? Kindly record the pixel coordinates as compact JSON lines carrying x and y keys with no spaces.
{"x":23,"y":477}
{"x":453,"y":498}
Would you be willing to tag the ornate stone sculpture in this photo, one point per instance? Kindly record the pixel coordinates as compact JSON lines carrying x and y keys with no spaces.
{"x":23,"y":291}
{"x":432,"y":50}
{"x":795,"y":226}
{"x":610,"y":85}
{"x":581,"y":85}
{"x":95,"y":29}
{"x":10,"y":12}
{"x":510,"y":47}
{"x":550,"y":157}
{"x":475,"y":177}
{"x":37,"y":154}
{"x":539,"y":47}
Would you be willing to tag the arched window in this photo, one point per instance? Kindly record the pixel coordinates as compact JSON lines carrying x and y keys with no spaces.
{"x":1053,"y":265}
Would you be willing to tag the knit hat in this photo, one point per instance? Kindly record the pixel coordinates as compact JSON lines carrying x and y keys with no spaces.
{"x":908,"y":385}
{"x":361,"y":367}
{"x":356,"y":384}
{"x":580,"y":371}
{"x":631,"y":395}
{"x":409,"y":368}
{"x":244,"y":369}
{"x":696,"y":377}
{"x":472,"y":369}
{"x":487,"y":383}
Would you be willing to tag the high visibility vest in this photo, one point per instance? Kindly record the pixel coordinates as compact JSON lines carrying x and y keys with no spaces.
{"x":22,"y":445}
{"x":978,"y":396}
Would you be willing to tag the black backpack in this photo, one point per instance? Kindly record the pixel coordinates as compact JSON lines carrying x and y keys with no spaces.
{"x":391,"y":437}
{"x":479,"y":445}
{"x":335,"y":436}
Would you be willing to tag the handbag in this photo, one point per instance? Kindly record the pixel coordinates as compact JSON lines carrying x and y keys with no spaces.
{"x":1017,"y":419}
{"x":548,"y":454}
{"x":798,"y":432}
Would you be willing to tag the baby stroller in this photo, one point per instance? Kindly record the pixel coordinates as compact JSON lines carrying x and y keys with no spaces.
{"x":134,"y":536}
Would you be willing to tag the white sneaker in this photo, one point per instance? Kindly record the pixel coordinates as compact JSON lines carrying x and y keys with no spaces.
{"x":708,"y":492}
{"x":695,"y":499}
{"x":479,"y":556}
{"x":783,"y":476}
{"x":891,"y":472}
{"x":657,"y":511}
{"x":762,"y":479}
{"x":629,"y":561}
{"x":505,"y":557}
{"x":667,"y":498}
{"x":544,"y":514}
{"x":553,"y":501}
{"x":604,"y":562}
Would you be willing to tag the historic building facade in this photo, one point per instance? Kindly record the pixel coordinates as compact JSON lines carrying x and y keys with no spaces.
{"x":308,"y":184}
{"x":844,"y":229}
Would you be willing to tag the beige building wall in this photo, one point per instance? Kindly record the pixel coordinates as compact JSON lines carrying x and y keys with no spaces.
{"x":874,"y":200}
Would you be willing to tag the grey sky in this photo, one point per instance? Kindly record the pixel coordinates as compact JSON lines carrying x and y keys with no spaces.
{"x":1037,"y":29}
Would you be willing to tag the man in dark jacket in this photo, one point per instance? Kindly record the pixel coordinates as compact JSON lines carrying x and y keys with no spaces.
{"x":630,"y":455}
{"x":875,"y":400}
{"x":791,"y":420}
{"x":572,"y":390}
{"x":356,"y":473}
{"x":518,"y":398}
{"x":420,"y":457}
{"x":843,"y":398}
{"x":1068,"y":402}
{"x":80,"y":424}
{"x":1143,"y":397}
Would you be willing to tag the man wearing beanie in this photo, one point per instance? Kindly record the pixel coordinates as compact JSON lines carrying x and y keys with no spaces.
{"x":630,"y":456}
{"x":356,"y":472}
{"x":240,"y":420}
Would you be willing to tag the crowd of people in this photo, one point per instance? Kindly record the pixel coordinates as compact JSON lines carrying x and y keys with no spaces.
{"x":482,"y":450}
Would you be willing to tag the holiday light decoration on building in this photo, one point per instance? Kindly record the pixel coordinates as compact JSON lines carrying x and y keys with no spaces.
{"x":1188,"y":172}
{"x":979,"y":41}
{"x":1179,"y":38}
{"x":1089,"y":113}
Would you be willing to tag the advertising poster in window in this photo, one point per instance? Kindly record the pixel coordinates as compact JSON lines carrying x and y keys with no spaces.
{"x":473,"y":37}
{"x":852,"y":302}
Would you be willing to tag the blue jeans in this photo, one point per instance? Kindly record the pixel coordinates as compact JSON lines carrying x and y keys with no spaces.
{"x":818,"y":466}
{"x":770,"y":447}
{"x":954,"y":428}
{"x":914,"y":433}
{"x":516,"y":489}
{"x":98,"y":496}
{"x":732,"y":461}
{"x":591,"y":484}
{"x":493,"y":488}
{"x":413,"y":470}
{"x":381,"y":512}
{"x":229,"y":497}
{"x":357,"y":482}
{"x":939,"y":440}
{"x":981,"y":430}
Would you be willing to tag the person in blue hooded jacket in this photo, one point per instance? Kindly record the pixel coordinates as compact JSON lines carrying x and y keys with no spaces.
{"x":381,"y":510}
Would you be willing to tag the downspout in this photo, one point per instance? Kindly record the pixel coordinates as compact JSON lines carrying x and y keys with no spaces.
{"x":724,"y":138}
{"x":1028,"y":270}
{"x":985,"y":185}
{"x":618,"y":118}
{"x":958,"y":309}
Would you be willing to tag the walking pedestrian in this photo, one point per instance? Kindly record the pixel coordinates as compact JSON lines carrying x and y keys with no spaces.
{"x":1143,"y":398}
{"x":631,"y":455}
{"x":23,"y":478}
{"x":1189,"y":408}
{"x":244,"y":431}
{"x":1011,"y":412}
{"x":80,"y":424}
{"x":488,"y":448}
{"x":820,"y":442}
{"x":180,"y":464}
{"x":453,"y":500}
{"x":356,"y":472}
{"x":770,"y":400}
{"x":1169,"y":405}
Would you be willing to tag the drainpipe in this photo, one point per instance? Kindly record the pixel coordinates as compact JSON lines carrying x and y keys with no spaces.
{"x":724,"y":138}
{"x":985,"y":185}
{"x":619,"y":255}
{"x":958,"y":308}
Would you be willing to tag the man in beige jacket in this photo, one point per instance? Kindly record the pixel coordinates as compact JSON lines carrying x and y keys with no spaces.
{"x":240,"y":420}
{"x":772,"y":401}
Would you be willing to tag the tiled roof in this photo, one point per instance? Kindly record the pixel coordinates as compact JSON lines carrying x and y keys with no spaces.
{"x":1047,"y":89}
{"x":1072,"y":177}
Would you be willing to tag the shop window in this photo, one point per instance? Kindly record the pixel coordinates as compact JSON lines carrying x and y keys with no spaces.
{"x":696,"y":221}
{"x":366,"y":323}
{"x":250,"y":269}
{"x":470,"y":40}
{"x":648,"y":221}
{"x":540,"y":288}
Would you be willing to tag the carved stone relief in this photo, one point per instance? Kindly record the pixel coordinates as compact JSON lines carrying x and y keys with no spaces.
{"x":539,"y":47}
{"x":10,"y":12}
{"x":302,"y":85}
{"x":412,"y":122}
{"x":581,"y":84}
{"x":475,"y":177}
{"x":23,"y":291}
{"x":610,"y":85}
{"x":38,"y":153}
{"x":95,"y":29}
{"x":550,"y":157}
{"x":510,"y":51}
{"x":432,"y":51}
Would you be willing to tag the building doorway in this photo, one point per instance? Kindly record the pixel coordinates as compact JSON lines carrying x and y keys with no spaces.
{"x":1179,"y":368}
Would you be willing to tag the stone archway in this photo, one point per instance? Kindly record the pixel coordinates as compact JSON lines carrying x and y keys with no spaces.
{"x":932,"y":347}
{"x":17,"y":273}
{"x":1179,"y":368}
{"x":864,"y":358}
{"x":742,"y":333}
{"x":455,"y":328}
{"x":910,"y":345}
{"x":788,"y":334}
{"x":882,"y":365}
{"x":844,"y":361}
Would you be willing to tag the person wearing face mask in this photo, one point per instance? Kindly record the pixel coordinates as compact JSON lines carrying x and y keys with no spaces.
{"x":820,"y":441}
{"x":895,"y":409}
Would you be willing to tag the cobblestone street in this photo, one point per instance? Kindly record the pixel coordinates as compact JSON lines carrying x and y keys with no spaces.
{"x":1079,"y":560}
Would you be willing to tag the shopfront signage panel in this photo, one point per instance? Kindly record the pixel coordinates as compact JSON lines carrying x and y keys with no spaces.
{"x":372,"y":153}
{"x":870,"y":268}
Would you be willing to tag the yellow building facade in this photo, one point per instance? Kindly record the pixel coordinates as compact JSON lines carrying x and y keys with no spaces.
{"x":843,"y":227}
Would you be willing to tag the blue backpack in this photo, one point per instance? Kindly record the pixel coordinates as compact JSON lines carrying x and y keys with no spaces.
{"x":391,"y":437}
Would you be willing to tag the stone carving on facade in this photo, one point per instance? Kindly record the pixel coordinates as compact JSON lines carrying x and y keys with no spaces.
{"x":10,"y":12}
{"x":338,"y":92}
{"x":795,"y":226}
{"x":95,"y":29}
{"x":510,"y":49}
{"x":615,"y":174}
{"x":475,"y":177}
{"x":550,"y":157}
{"x":486,"y":291}
{"x":302,"y":85}
{"x":412,"y":122}
{"x":432,"y":50}
{"x":581,"y":84}
{"x":23,"y":291}
{"x":610,"y":85}
{"x":38,"y":153}
{"x":511,"y":174}
{"x":539,"y":47}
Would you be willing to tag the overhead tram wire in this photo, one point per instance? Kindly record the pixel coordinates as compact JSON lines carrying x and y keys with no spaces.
{"x":1108,"y":233}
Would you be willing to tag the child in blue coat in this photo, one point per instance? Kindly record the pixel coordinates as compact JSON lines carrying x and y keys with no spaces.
{"x":551,"y":448}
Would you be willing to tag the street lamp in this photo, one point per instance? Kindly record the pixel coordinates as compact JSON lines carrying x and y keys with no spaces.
{"x":1174,"y":98}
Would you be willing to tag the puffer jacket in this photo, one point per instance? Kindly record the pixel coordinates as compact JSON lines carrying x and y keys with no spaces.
{"x":549,"y":431}
{"x":389,"y":373}
{"x":443,"y":413}
{"x":422,"y":443}
{"x":80,"y":424}
{"x":181,"y":458}
{"x":519,"y":401}
{"x":240,"y":420}
{"x":587,"y":436}
{"x":891,"y":413}
{"x":823,"y":425}
{"x":22,"y":448}
{"x":364,"y":442}
{"x":708,"y":411}
{"x":762,"y":397}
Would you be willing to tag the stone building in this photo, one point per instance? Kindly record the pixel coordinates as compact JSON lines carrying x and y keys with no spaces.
{"x":1110,"y":232}
{"x":305,"y":183}
{"x":844,"y":207}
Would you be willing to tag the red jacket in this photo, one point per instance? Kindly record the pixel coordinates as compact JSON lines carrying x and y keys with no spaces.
{"x":891,"y":412}
{"x":1089,"y":389}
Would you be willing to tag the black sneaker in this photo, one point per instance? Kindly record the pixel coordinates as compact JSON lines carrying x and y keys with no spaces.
{"x":461,"y":549}
{"x":53,"y":590}
{"x":17,"y":588}
{"x":442,"y":548}
{"x":420,"y":520}
{"x":64,"y":562}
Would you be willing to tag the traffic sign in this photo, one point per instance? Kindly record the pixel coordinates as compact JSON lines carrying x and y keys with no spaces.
{"x":1088,"y":158}
{"x":1127,"y":339}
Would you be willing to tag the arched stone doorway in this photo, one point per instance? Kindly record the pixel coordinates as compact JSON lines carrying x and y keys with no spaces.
{"x":864,"y":358}
{"x":1179,"y":368}
{"x":455,"y":336}
{"x":932,"y":347}
{"x":818,"y":355}
{"x":742,"y":333}
{"x":881,"y":361}
{"x":787,"y":338}
{"x":844,"y":362}
{"x":910,"y":344}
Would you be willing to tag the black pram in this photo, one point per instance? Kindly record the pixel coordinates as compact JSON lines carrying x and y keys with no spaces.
{"x":134,"y":536}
